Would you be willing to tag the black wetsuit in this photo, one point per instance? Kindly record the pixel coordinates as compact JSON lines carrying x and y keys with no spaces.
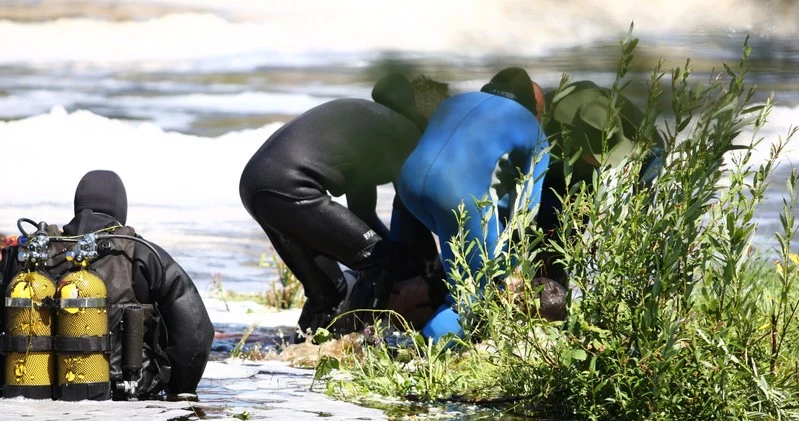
{"x":343,"y":147}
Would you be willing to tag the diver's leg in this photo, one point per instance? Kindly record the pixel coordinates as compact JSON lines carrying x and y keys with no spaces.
{"x":321,"y":277}
{"x":547,"y":220}
{"x":324,"y":226}
{"x":332,"y":230}
{"x":446,"y":319}
{"x":416,"y":244}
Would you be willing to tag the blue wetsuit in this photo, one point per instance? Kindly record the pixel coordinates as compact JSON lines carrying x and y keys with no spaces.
{"x":474,"y":147}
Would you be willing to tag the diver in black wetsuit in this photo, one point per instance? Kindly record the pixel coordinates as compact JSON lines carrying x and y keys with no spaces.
{"x":343,"y":147}
{"x":152,"y":278}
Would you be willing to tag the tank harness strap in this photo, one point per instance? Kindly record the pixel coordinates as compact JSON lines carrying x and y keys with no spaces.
{"x":28,"y":303}
{"x":82,"y":391}
{"x":22,"y":343}
{"x":91,"y":302}
{"x":29,"y":392}
{"x":82,"y":344}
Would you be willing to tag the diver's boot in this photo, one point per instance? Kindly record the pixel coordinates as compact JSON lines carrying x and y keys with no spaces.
{"x":370,"y":292}
{"x":321,"y":304}
{"x":316,"y":312}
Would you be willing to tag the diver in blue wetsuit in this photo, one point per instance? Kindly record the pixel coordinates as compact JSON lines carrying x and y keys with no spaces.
{"x":475,"y":146}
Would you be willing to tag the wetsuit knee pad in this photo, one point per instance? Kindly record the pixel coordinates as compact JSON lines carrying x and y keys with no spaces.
{"x":445,"y":321}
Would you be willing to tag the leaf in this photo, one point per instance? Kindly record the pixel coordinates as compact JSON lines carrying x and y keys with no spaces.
{"x":729,"y":71}
{"x":736,"y":147}
{"x":753,"y":109}
{"x":579,"y":355}
{"x":631,"y":46}
{"x":727,"y":107}
{"x":684,"y":123}
{"x":569,"y":355}
{"x":322,"y":335}
{"x":563,"y":93}
{"x":326,"y":366}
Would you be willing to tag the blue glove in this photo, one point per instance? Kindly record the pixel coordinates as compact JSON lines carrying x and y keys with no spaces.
{"x":445,"y":321}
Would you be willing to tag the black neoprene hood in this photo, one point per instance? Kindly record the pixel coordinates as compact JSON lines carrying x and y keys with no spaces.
{"x":513,"y":83}
{"x":102,"y":191}
{"x":396,"y":92}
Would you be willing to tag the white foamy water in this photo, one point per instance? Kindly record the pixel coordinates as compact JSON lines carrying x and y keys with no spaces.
{"x":158,"y":167}
{"x":245,"y":34}
{"x":41,"y":101}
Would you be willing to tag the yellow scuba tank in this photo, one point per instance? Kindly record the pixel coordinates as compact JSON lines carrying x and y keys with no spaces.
{"x":28,"y":348}
{"x":82,"y":341}
{"x":28,"y":342}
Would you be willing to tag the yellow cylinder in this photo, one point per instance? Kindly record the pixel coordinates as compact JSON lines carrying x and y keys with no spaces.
{"x":82,"y":324}
{"x":29,"y":355}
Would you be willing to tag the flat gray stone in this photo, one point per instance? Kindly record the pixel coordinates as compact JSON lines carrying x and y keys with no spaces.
{"x":280,"y":392}
{"x":269,"y":390}
{"x":18,"y":409}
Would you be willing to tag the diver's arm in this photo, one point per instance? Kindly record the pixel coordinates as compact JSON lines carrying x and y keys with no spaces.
{"x":414,"y":240}
{"x":9,"y":266}
{"x":362,"y":201}
{"x":189,"y":329}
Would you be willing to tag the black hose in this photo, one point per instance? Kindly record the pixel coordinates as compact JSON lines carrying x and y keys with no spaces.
{"x":161,"y":270}
{"x":30,"y":221}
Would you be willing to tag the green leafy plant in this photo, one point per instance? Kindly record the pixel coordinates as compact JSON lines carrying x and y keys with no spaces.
{"x":238,"y":350}
{"x":217,"y":289}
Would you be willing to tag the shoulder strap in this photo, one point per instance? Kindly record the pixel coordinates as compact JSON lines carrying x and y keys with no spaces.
{"x":115,"y":266}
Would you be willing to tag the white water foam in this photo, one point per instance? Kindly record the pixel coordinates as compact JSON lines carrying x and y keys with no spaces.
{"x":245,"y":34}
{"x":52,"y":151}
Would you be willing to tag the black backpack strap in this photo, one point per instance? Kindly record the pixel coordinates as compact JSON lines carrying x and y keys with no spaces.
{"x":82,"y":344}
{"x":23,"y":344}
